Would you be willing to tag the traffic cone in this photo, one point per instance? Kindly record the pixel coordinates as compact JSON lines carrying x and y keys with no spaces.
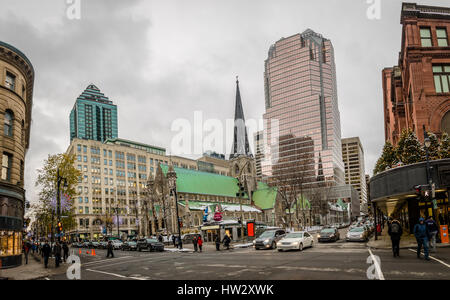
{"x":80,"y":251}
{"x":93,"y":252}
{"x":87,"y":251}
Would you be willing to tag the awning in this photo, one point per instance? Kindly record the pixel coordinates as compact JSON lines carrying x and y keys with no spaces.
{"x":209,"y":227}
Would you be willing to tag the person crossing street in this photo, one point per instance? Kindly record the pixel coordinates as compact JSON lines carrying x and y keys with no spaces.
{"x":395,"y":231}
{"x":110,"y":250}
{"x":422,"y":236}
{"x":433,"y":230}
{"x":46,"y":251}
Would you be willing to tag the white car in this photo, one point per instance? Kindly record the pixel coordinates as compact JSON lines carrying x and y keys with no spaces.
{"x":296,"y":240}
{"x":117,"y":244}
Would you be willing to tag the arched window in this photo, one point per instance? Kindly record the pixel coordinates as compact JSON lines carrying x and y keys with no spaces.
{"x":8,"y":126}
{"x":445,"y":123}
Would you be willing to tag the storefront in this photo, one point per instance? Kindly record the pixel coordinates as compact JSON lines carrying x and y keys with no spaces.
{"x":11,"y":226}
{"x":393,"y":193}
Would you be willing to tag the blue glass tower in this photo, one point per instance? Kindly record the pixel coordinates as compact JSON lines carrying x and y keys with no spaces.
{"x":93,"y":117}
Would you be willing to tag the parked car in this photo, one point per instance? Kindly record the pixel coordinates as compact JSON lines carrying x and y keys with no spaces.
{"x":129,"y":245}
{"x":76,"y":245}
{"x":103,"y":245}
{"x":116,"y":244}
{"x":95,"y":244}
{"x":268,"y":239}
{"x":188,"y":237}
{"x":296,"y":240}
{"x":150,"y":245}
{"x":328,"y":235}
{"x":358,"y":234}
{"x":86,"y":244}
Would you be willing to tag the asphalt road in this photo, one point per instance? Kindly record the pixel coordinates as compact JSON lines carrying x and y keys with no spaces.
{"x":340,"y":260}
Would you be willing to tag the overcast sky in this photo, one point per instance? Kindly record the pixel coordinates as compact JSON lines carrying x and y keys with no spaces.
{"x":160,"y":60}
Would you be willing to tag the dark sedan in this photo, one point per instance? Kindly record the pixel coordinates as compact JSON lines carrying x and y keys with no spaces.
{"x":129,"y":246}
{"x":328,"y":235}
{"x":150,"y":245}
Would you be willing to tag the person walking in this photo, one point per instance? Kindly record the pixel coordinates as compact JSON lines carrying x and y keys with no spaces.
{"x":433,"y":230}
{"x":26,"y":250}
{"x":218,"y":243}
{"x":226,"y":241}
{"x":160,"y":238}
{"x":46,"y":251}
{"x":65,"y":251}
{"x":422,"y":235}
{"x":195,"y":242}
{"x":110,"y":250}
{"x":395,"y":230}
{"x":33,"y":247}
{"x":173,"y":240}
{"x":57,"y":252}
{"x":200,"y":242}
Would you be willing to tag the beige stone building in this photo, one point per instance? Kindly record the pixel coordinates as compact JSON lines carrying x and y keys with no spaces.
{"x":353,"y":156}
{"x":16,"y":97}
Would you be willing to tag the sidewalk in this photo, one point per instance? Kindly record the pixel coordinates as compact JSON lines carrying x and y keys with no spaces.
{"x":33,"y":270}
{"x":407,"y":241}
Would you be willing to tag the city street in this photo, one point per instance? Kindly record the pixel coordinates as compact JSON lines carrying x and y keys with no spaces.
{"x":340,"y":260}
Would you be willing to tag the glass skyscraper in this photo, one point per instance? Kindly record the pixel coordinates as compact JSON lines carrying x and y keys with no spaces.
{"x":93,"y":117}
{"x":301,"y":93}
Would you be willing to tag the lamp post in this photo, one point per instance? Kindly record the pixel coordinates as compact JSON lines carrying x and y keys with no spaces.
{"x":427,"y":144}
{"x":172,"y":179}
{"x":59,"y":180}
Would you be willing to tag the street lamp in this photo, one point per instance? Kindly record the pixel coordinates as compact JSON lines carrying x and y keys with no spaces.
{"x":59,"y":180}
{"x":427,"y":144}
{"x":172,"y":180}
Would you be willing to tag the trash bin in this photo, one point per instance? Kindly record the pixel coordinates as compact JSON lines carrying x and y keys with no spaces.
{"x":444,"y":234}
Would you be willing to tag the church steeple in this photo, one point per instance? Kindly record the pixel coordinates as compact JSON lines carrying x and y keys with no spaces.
{"x":240,"y":140}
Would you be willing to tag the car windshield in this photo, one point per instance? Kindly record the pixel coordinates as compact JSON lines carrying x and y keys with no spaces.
{"x":151,"y":241}
{"x":294,"y":235}
{"x":327,"y":230}
{"x":267,"y":234}
{"x":357,"y":229}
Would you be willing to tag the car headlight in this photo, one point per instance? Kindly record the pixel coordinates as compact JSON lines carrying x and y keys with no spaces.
{"x":295,"y":243}
{"x":254,"y":242}
{"x":318,"y":236}
{"x":266,"y":241}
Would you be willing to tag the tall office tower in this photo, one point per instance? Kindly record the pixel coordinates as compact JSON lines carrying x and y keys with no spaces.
{"x":93,"y":117}
{"x":301,"y":100}
{"x":258,"y":142}
{"x":353,"y":155}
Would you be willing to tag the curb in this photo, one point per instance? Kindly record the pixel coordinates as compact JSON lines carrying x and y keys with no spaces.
{"x":404,"y":247}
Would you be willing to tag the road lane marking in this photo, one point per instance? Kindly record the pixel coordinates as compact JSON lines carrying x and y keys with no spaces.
{"x":116,"y":275}
{"x":103,"y":260}
{"x":377,"y":266}
{"x":438,"y":260}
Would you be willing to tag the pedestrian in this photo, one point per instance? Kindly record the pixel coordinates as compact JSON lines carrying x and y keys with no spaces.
{"x":226,"y":241}
{"x":433,"y":230}
{"x":33,"y":247}
{"x":195,"y":242}
{"x":160,"y":238}
{"x":46,"y":251}
{"x":57,"y":252}
{"x":26,"y":250}
{"x":65,"y":251}
{"x":173,"y":240}
{"x":395,"y":231}
{"x":200,"y":242}
{"x":179,"y":242}
{"x":422,"y":236}
{"x":110,"y":250}
{"x":218,"y":243}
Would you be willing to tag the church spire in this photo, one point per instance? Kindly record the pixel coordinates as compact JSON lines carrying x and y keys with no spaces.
{"x":240,"y":140}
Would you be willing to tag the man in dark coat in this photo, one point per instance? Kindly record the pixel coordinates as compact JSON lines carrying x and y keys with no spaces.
{"x":218,"y":243}
{"x":433,"y":230}
{"x":395,"y":231}
{"x":226,"y":241}
{"x":46,"y":251}
{"x":422,"y":236}
{"x":57,"y":252}
{"x":110,"y":250}
{"x":173,"y":240}
{"x":195,"y":242}
{"x":65,"y":251}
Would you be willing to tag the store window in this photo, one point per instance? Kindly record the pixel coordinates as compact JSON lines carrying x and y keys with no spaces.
{"x":10,"y":243}
{"x":441,"y":34}
{"x":425,"y":37}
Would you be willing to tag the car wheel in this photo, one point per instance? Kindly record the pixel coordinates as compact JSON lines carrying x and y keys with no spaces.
{"x":274,"y":245}
{"x":300,"y":247}
{"x":280,"y":250}
{"x":139,"y":249}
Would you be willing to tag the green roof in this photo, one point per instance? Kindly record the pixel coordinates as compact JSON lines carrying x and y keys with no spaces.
{"x":341,"y":204}
{"x":265,"y":196}
{"x":204,"y":183}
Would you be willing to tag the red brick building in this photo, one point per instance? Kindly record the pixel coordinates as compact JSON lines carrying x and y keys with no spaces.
{"x":416,"y":93}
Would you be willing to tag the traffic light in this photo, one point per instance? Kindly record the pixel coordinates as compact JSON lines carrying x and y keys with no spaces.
{"x":60,"y":229}
{"x":418,"y":190}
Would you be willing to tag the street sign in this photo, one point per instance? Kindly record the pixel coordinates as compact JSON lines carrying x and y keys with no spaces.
{"x":435,"y":206}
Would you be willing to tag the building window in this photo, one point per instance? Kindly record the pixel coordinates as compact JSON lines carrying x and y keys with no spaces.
{"x":425,"y":36}
{"x":441,"y":78}
{"x":6,"y":166}
{"x":10,"y":81}
{"x":441,"y":34}
{"x":8,"y":126}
